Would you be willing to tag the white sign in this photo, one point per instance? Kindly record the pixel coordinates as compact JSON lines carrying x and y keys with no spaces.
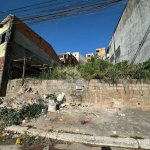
{"x":79,"y":85}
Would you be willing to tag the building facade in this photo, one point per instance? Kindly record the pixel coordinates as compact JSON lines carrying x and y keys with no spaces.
{"x":131,"y":38}
{"x":101,"y":52}
{"x":68,"y":59}
{"x":21,"y":46}
{"x":81,"y":59}
{"x":88,"y":56}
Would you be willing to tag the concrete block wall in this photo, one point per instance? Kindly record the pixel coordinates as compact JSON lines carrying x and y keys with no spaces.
{"x":132,"y":33}
{"x":94,"y":92}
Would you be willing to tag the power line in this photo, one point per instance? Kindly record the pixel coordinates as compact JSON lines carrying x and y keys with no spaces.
{"x":55,"y":10}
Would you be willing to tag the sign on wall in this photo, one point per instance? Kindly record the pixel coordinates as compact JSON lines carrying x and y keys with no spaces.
{"x":79,"y":85}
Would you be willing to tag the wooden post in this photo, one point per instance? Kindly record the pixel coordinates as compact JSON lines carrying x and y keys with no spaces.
{"x":24,"y":68}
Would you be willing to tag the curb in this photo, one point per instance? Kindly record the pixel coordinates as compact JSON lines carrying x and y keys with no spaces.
{"x":87,"y":139}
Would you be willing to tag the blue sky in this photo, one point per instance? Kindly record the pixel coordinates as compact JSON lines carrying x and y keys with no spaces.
{"x":75,"y":34}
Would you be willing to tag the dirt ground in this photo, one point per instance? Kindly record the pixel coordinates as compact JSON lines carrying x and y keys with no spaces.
{"x":93,"y":121}
{"x":86,"y":120}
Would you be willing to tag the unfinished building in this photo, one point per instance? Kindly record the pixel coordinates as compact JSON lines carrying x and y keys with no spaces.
{"x":68,"y":59}
{"x":21,"y":47}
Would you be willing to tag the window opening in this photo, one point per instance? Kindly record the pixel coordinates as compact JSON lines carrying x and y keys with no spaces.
{"x":3,"y":38}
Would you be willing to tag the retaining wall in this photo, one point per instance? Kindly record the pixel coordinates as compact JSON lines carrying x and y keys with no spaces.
{"x":94,"y":92}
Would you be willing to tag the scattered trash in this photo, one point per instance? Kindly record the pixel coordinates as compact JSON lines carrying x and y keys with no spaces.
{"x":52,"y":106}
{"x":45,"y":96}
{"x":19,"y":141}
{"x":43,"y":111}
{"x":76,"y":110}
{"x":77,"y":130}
{"x":16,"y":136}
{"x":36,"y":138}
{"x":2,"y":134}
{"x":72,"y":104}
{"x":29,"y":89}
{"x":89,"y":120}
{"x":48,"y":142}
{"x":25,"y":121}
{"x":119,"y":114}
{"x":62,"y":105}
{"x":35,"y":92}
{"x":60,"y":97}
{"x":114,"y":132}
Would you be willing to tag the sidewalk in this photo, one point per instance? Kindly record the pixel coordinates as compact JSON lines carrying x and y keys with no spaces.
{"x":87,"y":139}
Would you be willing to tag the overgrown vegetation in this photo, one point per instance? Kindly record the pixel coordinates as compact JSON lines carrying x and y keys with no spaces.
{"x":97,"y":68}
{"x":61,"y":72}
{"x":12,"y":116}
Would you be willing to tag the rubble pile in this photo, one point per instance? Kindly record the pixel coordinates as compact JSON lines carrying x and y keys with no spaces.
{"x":28,"y":104}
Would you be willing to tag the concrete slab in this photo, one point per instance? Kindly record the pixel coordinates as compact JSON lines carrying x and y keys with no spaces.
{"x":116,"y":142}
{"x":10,"y":147}
{"x":18,"y":129}
{"x":144,"y":144}
{"x":86,"y":139}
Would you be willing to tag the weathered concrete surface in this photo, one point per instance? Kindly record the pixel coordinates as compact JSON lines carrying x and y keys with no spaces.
{"x":87,"y":139}
{"x":78,"y":146}
{"x":116,"y":142}
{"x":132,"y":33}
{"x":10,"y":147}
{"x":144,"y":144}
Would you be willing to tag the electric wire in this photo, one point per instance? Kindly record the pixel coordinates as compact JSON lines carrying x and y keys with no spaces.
{"x":40,"y":12}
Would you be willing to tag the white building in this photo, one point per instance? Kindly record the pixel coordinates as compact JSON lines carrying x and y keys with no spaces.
{"x":81,"y":59}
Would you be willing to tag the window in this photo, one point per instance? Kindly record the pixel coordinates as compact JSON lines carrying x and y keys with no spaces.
{"x":3,"y":38}
{"x":112,"y":58}
{"x":117,"y":52}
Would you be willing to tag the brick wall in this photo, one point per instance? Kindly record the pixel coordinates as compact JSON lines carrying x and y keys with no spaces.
{"x":35,"y":38}
{"x":94,"y":92}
